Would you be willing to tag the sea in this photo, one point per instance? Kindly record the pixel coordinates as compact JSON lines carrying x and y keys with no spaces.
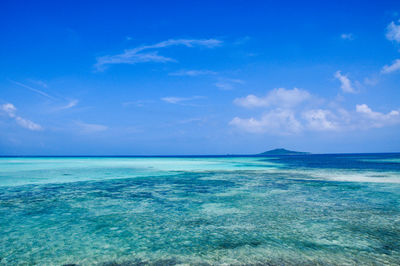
{"x":334,"y":209}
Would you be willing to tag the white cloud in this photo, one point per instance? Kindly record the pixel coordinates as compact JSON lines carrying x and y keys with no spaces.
{"x":27,"y":123}
{"x":347,"y":36}
{"x":228,"y":84}
{"x":277,"y":121}
{"x":346,"y":85}
{"x":192,"y":73}
{"x":141,"y":54}
{"x":88,"y":128}
{"x":10,"y":110}
{"x":286,"y":121}
{"x":320,"y":119}
{"x":283,"y":114}
{"x":393,"y":32}
{"x":277,"y":97}
{"x":376,"y":119}
{"x":391,"y":68}
{"x":177,"y":100}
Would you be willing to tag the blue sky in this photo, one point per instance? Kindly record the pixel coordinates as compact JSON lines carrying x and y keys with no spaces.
{"x":198,"y":77}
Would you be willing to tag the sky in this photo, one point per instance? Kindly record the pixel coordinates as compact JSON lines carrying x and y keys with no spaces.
{"x":199,"y":77}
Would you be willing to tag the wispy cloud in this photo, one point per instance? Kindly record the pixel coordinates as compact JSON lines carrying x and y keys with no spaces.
{"x":192,"y":73}
{"x":10,"y":110}
{"x":70,"y":104}
{"x":146,"y":53}
{"x":242,"y":40}
{"x":137,"y":103}
{"x":42,"y":93}
{"x":58,"y":100}
{"x":347,"y":36}
{"x":39,"y":82}
{"x":393,"y":32}
{"x":346,"y":84}
{"x":191,"y":120}
{"x":87,"y":128}
{"x":391,"y":68}
{"x":180,"y":100}
{"x":371,"y":81}
{"x":228,"y":84}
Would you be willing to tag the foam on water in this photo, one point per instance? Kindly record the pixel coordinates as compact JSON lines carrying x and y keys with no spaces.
{"x":198,"y":211}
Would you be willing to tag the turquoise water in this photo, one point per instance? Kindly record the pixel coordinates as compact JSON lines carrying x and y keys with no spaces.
{"x":287,"y":210}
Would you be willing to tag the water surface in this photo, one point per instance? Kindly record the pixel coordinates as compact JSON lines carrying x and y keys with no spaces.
{"x":284,"y":210}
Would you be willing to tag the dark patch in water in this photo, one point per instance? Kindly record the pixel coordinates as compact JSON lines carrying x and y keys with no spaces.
{"x":138,"y":262}
{"x":237,"y":244}
{"x":340,"y":161}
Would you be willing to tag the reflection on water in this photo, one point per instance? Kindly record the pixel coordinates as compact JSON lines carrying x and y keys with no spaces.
{"x":210,"y":211}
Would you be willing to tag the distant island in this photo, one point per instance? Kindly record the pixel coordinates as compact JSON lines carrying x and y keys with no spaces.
{"x":283,"y":152}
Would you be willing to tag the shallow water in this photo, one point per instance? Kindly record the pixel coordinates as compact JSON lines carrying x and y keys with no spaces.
{"x":286,"y":210}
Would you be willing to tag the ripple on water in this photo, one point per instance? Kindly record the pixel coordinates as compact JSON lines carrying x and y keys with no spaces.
{"x":219,"y":214}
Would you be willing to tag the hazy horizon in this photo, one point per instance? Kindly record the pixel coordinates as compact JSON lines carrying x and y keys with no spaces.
{"x":192,"y":155}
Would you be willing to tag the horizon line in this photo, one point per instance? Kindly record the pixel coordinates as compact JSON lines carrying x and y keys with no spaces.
{"x":206,"y":155}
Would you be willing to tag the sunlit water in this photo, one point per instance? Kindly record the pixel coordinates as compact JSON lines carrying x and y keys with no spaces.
{"x":287,"y":210}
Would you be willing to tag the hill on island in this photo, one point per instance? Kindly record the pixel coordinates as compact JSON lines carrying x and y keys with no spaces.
{"x":283,"y":152}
